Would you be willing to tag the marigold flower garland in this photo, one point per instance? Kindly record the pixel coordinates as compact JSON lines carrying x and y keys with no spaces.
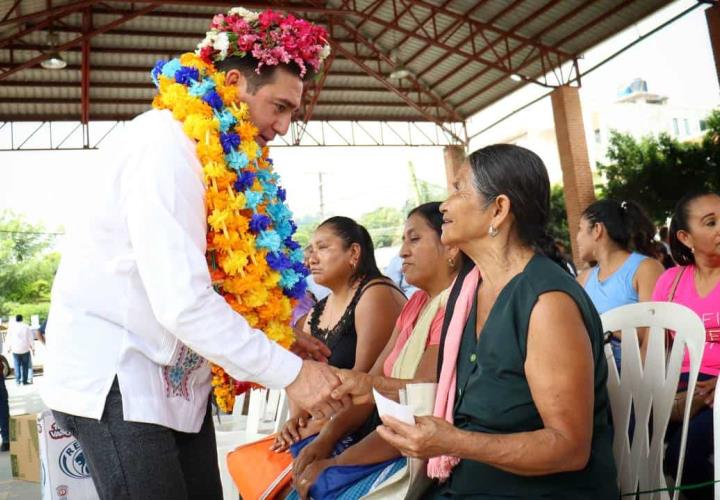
{"x":254,"y":262}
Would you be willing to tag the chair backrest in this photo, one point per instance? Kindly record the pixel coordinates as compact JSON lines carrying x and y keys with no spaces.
{"x":649,"y":390}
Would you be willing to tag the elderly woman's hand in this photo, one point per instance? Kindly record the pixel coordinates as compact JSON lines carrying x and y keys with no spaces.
{"x":429,"y":437}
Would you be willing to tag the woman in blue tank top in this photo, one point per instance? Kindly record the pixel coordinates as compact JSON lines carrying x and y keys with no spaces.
{"x":617,"y":237}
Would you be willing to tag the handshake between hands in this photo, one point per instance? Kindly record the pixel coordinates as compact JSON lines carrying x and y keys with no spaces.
{"x":322,"y":390}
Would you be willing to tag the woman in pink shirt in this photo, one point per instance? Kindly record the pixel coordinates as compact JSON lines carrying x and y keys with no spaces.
{"x":695,"y":283}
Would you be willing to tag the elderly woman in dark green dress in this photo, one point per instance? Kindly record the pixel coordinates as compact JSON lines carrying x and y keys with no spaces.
{"x":524,"y":370}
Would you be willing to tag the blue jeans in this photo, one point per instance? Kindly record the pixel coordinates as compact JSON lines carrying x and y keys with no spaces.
{"x":700,"y":445}
{"x":22,"y":364}
{"x":135,"y":460}
{"x":4,"y":410}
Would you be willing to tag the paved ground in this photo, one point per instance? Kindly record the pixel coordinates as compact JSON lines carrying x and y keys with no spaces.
{"x":23,"y":399}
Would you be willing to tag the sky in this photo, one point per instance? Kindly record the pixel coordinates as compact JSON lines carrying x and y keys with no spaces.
{"x":48,"y":187}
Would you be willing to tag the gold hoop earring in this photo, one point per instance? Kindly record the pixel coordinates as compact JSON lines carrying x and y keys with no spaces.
{"x":493,"y":231}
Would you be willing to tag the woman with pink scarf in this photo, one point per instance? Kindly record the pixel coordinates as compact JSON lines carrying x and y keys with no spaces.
{"x":521,"y":409}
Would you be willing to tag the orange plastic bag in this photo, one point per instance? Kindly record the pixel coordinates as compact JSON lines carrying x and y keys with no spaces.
{"x":257,"y":471}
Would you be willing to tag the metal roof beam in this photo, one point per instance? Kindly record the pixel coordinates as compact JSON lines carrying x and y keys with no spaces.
{"x":11,"y":10}
{"x":460,"y":22}
{"x":515,"y":50}
{"x":477,"y":28}
{"x":51,"y":13}
{"x":420,"y":88}
{"x":575,"y":33}
{"x":80,"y":39}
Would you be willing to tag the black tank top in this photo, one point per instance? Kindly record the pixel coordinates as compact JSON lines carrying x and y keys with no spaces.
{"x":342,"y":338}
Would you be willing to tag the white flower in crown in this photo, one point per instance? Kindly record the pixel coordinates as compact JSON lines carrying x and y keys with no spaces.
{"x":249,"y":15}
{"x":222,"y":44}
{"x":208,"y":41}
{"x":325,"y":52}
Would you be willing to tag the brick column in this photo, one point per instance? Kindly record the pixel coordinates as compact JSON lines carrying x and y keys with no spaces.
{"x":574,"y":160}
{"x":713,"y":21}
{"x":454,"y":158}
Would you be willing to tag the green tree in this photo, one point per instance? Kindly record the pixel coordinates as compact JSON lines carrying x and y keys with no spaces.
{"x":558,"y":224}
{"x":384,"y":225}
{"x":657,"y":171}
{"x":27,"y":266}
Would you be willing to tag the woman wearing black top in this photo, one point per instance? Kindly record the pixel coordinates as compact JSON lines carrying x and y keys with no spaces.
{"x":357,"y":319}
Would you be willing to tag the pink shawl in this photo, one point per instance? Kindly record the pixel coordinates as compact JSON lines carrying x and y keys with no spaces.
{"x":441,"y":467}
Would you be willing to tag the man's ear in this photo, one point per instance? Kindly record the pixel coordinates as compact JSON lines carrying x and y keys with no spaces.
{"x":235,"y":77}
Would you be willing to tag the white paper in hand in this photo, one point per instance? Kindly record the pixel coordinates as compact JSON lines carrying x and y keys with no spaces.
{"x":387,"y":406}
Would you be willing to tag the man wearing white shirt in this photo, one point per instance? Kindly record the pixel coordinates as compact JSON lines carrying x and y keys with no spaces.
{"x":19,"y":343}
{"x":134,"y":315}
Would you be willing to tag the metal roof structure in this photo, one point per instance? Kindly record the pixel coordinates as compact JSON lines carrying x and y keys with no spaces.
{"x":459,"y":55}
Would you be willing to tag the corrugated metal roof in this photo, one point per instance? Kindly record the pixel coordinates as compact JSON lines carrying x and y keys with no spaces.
{"x":459,"y":52}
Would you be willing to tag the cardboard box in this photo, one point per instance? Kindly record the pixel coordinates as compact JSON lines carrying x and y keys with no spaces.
{"x":65,"y":474}
{"x":24,"y":450}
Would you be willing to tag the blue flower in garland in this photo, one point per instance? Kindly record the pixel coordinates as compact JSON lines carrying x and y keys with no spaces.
{"x":278,"y":212}
{"x":297,"y":291}
{"x":259,"y":222}
{"x":230,"y":141}
{"x":226,"y":119}
{"x":237,"y":160}
{"x":278,"y":261}
{"x":171,"y":67}
{"x":213,"y":99}
{"x":300,"y":268}
{"x":288,"y":278}
{"x":281,"y":194}
{"x":293,"y":226}
{"x":283,"y":229}
{"x":268,"y":240}
{"x":187,"y":75}
{"x":298,"y":255}
{"x":201,"y":88}
{"x":252,"y":198}
{"x":157,"y":71}
{"x":291,"y":244}
{"x":244,"y":180}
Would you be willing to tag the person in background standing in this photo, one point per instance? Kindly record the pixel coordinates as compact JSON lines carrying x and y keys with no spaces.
{"x":20,"y":343}
{"x":4,"y":413}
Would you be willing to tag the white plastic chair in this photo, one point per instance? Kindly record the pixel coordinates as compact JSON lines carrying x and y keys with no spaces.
{"x":649,"y":390}
{"x":267,"y":411}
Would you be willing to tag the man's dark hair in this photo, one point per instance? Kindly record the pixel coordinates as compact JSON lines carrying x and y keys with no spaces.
{"x":18,"y":317}
{"x":248,"y":66}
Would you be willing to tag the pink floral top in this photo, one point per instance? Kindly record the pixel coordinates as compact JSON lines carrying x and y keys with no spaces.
{"x":708,"y":308}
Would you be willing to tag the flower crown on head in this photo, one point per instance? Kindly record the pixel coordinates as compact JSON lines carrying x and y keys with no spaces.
{"x":269,"y":37}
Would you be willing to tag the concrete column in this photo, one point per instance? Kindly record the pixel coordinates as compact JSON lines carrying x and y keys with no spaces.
{"x":574,"y":160}
{"x":713,"y":21}
{"x":454,"y":158}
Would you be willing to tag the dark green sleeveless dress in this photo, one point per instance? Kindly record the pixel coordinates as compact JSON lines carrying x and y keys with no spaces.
{"x":493,"y":395}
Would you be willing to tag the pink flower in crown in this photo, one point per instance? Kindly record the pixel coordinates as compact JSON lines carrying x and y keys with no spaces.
{"x":245,"y":42}
{"x":218,"y":21}
{"x":267,"y":18}
{"x":238,"y":25}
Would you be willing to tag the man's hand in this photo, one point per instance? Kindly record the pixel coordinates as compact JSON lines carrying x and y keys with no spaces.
{"x":312,"y":387}
{"x":356,"y":385}
{"x":308,"y":347}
